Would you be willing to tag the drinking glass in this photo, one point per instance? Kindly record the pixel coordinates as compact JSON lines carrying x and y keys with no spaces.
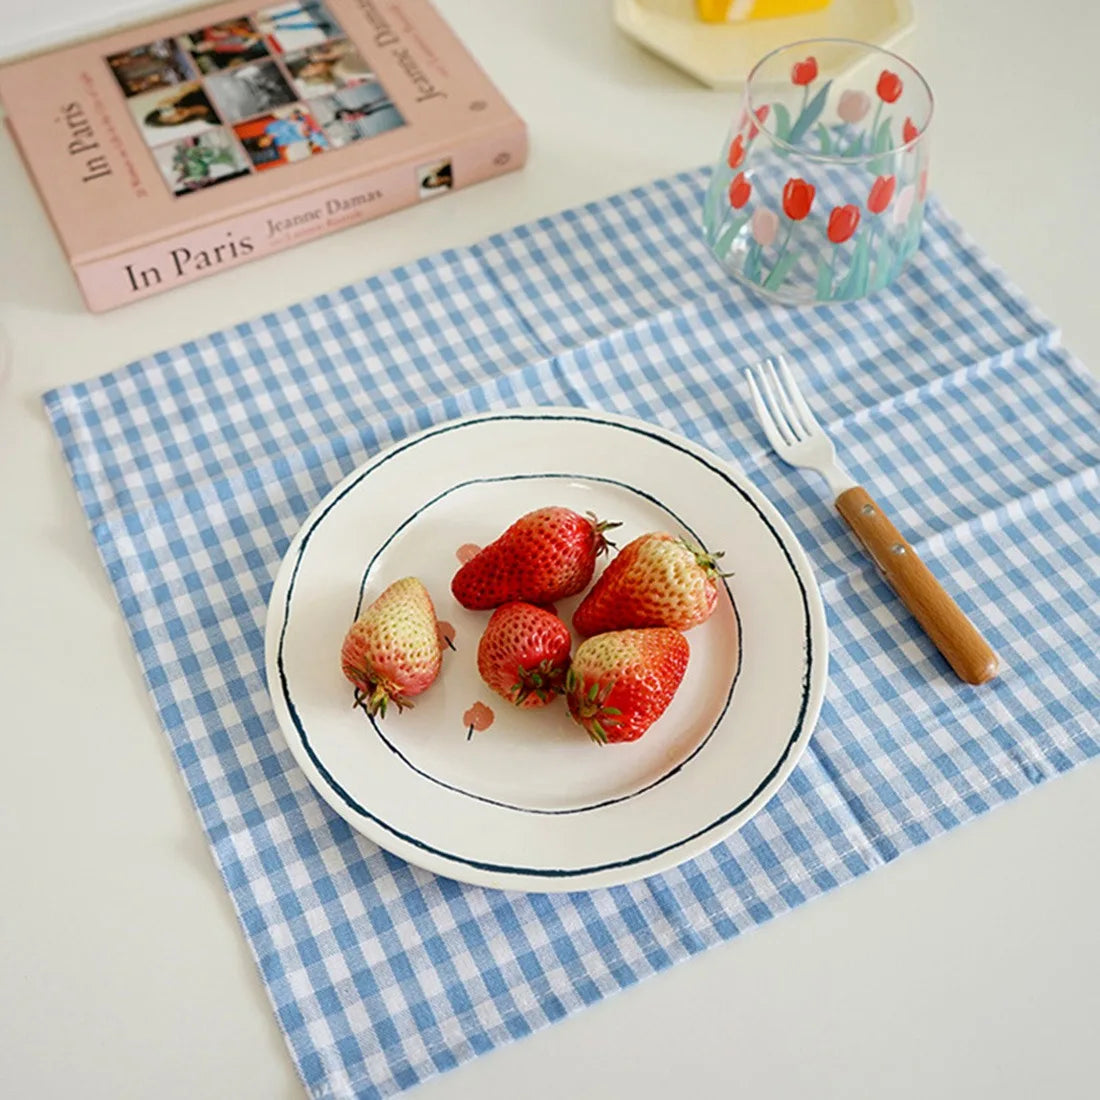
{"x":819,"y":192}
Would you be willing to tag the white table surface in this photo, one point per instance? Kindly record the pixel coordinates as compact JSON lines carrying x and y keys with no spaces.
{"x":971,"y":967}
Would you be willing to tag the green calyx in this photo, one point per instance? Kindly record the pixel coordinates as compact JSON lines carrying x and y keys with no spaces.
{"x":596,"y":726}
{"x":375,"y":701}
{"x":545,"y":681}
{"x":591,"y":709}
{"x":600,"y":526}
{"x":708,"y":562}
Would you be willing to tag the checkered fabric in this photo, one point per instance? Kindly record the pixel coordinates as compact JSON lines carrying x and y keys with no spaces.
{"x":946,"y":394}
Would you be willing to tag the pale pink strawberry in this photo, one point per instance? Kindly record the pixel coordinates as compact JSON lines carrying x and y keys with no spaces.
{"x":524,"y":653}
{"x":393,"y":650}
{"x":656,"y":580}
{"x":621,"y":682}
{"x":544,"y":556}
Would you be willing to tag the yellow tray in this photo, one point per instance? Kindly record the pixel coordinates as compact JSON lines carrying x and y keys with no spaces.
{"x":729,"y":11}
{"x":721,"y":55}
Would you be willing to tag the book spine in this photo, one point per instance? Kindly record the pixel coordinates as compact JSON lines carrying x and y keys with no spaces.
{"x":139,"y":272}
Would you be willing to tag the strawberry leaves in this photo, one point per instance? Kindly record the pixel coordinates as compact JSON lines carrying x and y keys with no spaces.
{"x":524,"y":654}
{"x":621,"y":681}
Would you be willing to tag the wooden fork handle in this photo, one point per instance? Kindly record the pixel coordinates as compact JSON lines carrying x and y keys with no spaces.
{"x":952,"y":633}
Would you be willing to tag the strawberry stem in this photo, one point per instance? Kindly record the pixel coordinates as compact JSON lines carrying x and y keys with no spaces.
{"x":594,"y":715}
{"x":378,"y":699}
{"x":599,"y":526}
{"x":544,"y":680}
{"x":707,"y":561}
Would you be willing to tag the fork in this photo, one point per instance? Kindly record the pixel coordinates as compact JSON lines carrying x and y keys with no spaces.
{"x":798,"y":439}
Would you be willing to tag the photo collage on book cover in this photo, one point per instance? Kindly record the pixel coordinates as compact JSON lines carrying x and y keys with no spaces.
{"x":251,"y":93}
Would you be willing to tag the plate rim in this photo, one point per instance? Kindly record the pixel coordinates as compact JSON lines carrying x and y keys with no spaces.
{"x":485,"y":873}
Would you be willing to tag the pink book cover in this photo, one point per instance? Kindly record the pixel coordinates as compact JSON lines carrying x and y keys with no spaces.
{"x":187,"y":146}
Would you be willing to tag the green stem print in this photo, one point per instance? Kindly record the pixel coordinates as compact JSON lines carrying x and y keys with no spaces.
{"x":854,"y":284}
{"x":782,"y":121}
{"x":826,"y":272}
{"x":874,"y":124}
{"x":753,"y":263}
{"x":727,"y":235}
{"x":910,"y":241}
{"x":881,"y":142}
{"x":783,"y":264}
{"x":810,"y":113}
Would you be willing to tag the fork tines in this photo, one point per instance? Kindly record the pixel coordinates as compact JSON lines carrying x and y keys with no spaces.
{"x":779,"y":403}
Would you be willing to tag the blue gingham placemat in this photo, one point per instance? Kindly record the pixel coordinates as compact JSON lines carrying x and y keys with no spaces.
{"x":946,"y":394}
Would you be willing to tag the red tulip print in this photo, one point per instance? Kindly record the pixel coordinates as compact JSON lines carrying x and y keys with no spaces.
{"x":761,"y":114}
{"x":737,"y":151}
{"x":843,"y":222}
{"x":798,"y":197}
{"x":804,"y":72}
{"x":882,"y":191}
{"x":740,"y":190}
{"x":909,"y":132}
{"x":889,"y":86}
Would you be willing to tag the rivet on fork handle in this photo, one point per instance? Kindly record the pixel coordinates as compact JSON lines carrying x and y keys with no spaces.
{"x":953,"y":634}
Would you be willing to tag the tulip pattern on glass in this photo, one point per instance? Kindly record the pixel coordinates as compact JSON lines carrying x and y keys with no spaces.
{"x":819,"y":192}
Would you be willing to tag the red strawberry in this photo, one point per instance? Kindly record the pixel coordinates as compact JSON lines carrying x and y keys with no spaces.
{"x":544,"y":556}
{"x":393,"y":649}
{"x":656,"y":580}
{"x":524,"y":653}
{"x":620,"y":683}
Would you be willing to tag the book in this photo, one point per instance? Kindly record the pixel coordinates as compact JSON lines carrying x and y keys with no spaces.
{"x":185,"y":147}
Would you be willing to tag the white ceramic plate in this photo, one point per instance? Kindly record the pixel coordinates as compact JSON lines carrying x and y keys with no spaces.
{"x":530,"y":803}
{"x":722,"y":54}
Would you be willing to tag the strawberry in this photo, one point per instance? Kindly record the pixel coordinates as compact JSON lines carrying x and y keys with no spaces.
{"x":656,"y":580}
{"x":620,"y":683}
{"x":524,"y":653}
{"x":544,"y":556}
{"x":393,"y":649}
